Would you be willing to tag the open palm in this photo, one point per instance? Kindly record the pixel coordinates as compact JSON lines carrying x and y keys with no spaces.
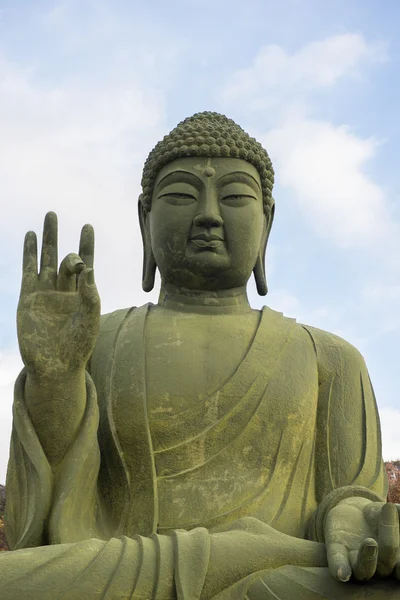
{"x":59,"y":310}
{"x":362,"y":539}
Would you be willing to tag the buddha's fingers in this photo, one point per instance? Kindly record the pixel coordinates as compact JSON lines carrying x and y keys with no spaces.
{"x":90,"y":301}
{"x":364,"y":560}
{"x":29,"y":264}
{"x":49,"y":256}
{"x":388,"y":539}
{"x":338,"y":561}
{"x":86,"y":246}
{"x":70,"y":267}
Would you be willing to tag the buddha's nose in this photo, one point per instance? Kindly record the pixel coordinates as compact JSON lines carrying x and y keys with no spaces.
{"x":209,"y":214}
{"x":208,"y":220}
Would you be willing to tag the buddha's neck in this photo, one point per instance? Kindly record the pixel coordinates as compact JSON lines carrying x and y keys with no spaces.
{"x":230,"y":301}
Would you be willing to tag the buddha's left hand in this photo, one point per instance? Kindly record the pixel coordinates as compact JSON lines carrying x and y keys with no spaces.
{"x":362,"y":539}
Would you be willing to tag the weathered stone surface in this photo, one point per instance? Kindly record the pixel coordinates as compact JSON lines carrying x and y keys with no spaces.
{"x":195,"y":448}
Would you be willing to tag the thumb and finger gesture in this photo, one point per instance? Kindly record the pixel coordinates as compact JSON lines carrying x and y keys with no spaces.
{"x":363,"y":542}
{"x":71,"y":268}
{"x":59,"y":310}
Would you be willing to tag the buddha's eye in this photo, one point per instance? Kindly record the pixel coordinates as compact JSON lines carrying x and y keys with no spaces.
{"x":177,"y":198}
{"x":237,"y":200}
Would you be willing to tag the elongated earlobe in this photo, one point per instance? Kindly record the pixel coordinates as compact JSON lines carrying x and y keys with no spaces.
{"x":149,"y":263}
{"x":259,"y":267}
{"x":259,"y":275}
{"x":149,"y":271}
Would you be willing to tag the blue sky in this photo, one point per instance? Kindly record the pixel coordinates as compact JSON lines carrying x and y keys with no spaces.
{"x":88,"y":87}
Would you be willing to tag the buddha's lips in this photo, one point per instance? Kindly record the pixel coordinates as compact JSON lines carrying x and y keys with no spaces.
{"x":204,"y":240}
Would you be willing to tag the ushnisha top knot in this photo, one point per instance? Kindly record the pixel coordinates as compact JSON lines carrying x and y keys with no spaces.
{"x":208,"y":134}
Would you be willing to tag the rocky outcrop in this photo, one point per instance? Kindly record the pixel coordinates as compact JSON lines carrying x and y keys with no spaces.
{"x":3,"y":545}
{"x":2,"y":499}
{"x":393,"y":472}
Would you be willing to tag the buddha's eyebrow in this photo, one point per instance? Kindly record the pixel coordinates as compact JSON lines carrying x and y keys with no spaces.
{"x":241,"y":176}
{"x":178,"y":176}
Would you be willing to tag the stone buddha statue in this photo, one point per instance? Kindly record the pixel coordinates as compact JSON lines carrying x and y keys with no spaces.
{"x":196,"y":448}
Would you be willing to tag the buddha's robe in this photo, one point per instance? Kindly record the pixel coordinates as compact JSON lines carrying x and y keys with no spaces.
{"x":292,"y":432}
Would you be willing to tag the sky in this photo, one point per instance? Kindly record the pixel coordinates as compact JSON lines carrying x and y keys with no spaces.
{"x":88,"y":87}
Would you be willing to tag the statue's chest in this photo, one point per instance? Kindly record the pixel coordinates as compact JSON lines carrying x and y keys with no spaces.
{"x":190,"y":357}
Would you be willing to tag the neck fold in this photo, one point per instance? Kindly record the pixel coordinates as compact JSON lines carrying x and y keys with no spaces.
{"x":204,"y":301}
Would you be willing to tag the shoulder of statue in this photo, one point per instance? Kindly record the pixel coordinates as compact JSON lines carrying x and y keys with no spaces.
{"x":110,"y":325}
{"x":333,"y":352}
{"x":113,"y":320}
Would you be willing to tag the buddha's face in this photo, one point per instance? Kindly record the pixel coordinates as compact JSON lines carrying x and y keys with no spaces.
{"x":206,"y":222}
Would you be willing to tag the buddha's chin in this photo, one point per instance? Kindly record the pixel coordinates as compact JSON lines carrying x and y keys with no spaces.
{"x":205,"y":279}
{"x":208,"y":262}
{"x":204,"y":269}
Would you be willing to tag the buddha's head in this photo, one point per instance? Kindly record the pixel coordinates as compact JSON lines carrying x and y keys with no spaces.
{"x":206,"y":209}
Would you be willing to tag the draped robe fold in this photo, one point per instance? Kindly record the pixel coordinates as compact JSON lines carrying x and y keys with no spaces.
{"x":292,"y":431}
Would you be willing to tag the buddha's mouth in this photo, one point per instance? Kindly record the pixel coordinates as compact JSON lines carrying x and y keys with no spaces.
{"x":206,"y":240}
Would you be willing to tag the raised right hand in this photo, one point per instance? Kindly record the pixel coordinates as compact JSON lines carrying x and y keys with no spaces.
{"x":58,"y":311}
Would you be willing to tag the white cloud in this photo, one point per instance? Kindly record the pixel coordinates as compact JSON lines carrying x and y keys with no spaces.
{"x":283,"y":301}
{"x":390,"y":424}
{"x":78,"y":149}
{"x":375,"y":292}
{"x":325,"y":167}
{"x":316,"y":64}
{"x":382,"y":299}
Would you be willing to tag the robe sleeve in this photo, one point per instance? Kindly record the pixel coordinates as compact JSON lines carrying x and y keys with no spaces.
{"x":348,"y":440}
{"x":43,"y":508}
{"x":165,"y":567}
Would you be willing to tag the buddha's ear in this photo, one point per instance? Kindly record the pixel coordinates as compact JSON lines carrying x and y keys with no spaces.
{"x":259,"y":267}
{"x":149,"y":263}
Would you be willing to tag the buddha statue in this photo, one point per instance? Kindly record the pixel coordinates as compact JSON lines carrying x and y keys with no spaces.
{"x":196,"y":448}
